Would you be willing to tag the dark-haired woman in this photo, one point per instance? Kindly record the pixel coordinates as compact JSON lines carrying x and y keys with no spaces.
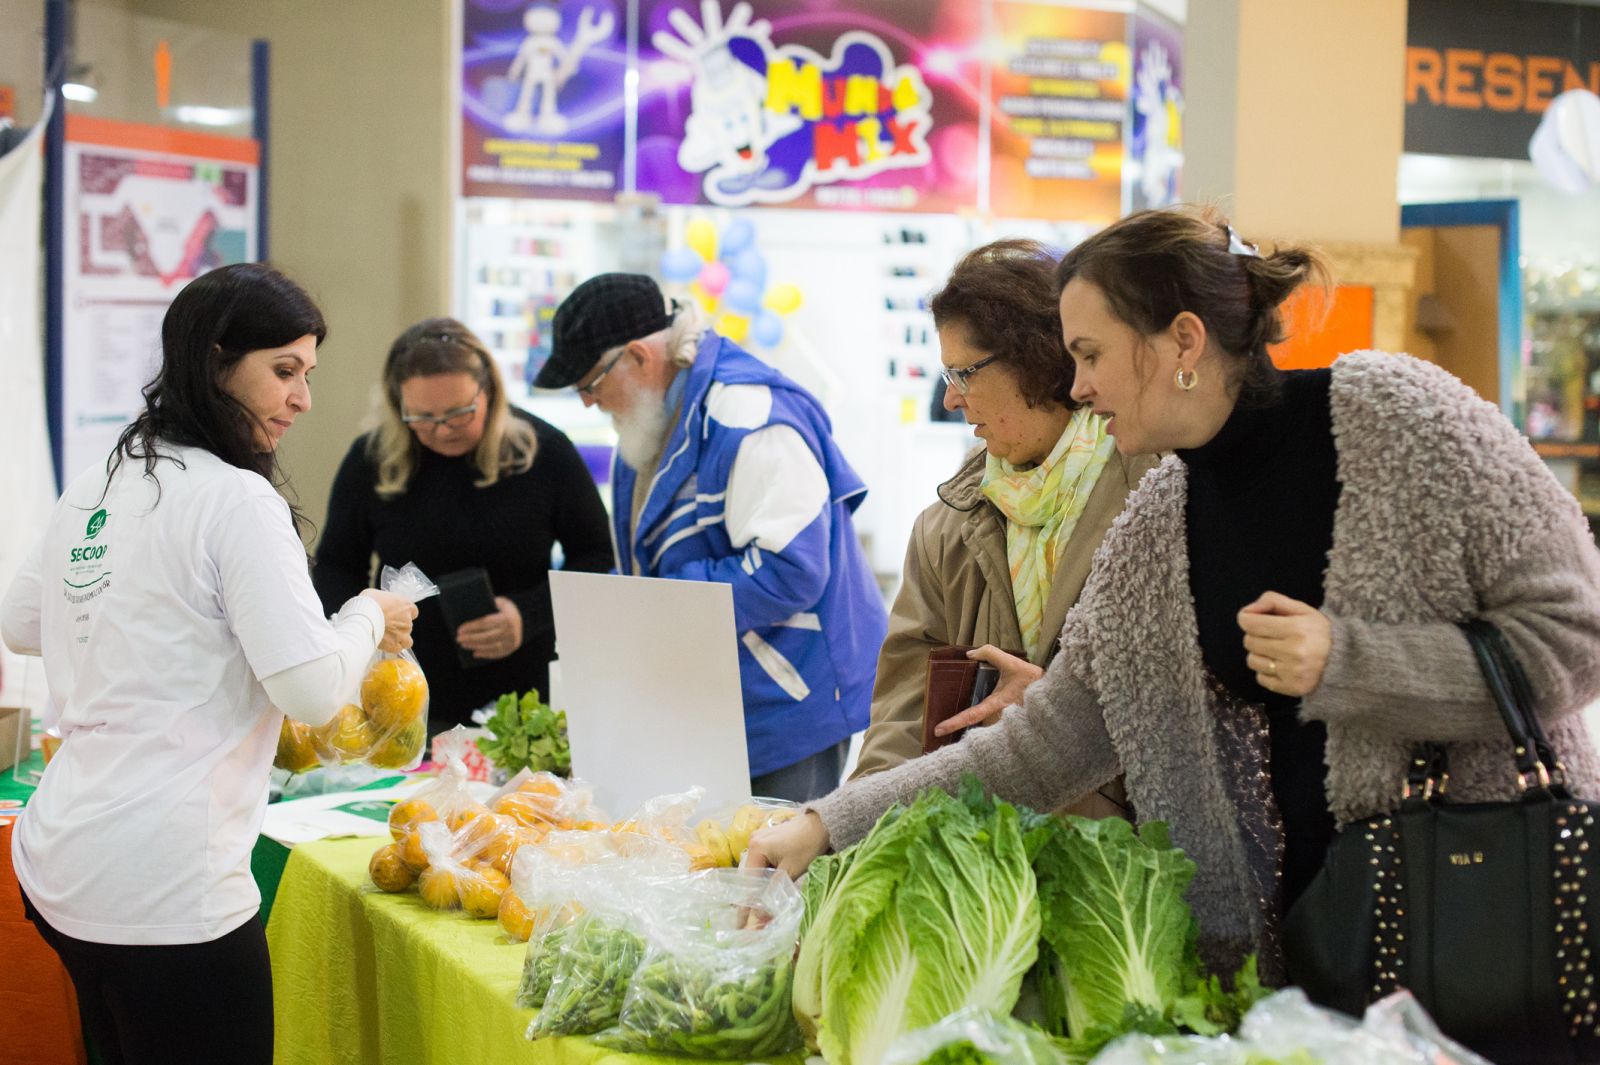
{"x":454,"y":477}
{"x":170,"y":599}
{"x":1270,"y":627}
{"x":1001,"y":556}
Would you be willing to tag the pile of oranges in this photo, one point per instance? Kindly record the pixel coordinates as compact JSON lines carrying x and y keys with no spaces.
{"x":387,"y":730}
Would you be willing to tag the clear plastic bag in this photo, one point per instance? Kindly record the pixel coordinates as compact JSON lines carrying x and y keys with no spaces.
{"x":717,"y":977}
{"x":541,"y":803}
{"x":989,"y":1037}
{"x":388,"y":727}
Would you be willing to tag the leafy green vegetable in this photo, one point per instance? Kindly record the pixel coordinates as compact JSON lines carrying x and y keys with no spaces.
{"x":934,"y":911}
{"x":1210,"y":1009}
{"x":526,"y":733}
{"x":1117,"y":923}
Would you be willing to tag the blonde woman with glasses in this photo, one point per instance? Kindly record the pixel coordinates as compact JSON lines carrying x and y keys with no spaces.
{"x":456,"y":478}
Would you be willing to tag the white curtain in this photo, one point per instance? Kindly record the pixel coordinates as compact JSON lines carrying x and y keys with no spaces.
{"x":27,"y":481}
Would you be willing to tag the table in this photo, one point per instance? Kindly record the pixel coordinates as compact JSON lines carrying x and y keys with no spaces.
{"x":38,"y":1007}
{"x":359,"y":976}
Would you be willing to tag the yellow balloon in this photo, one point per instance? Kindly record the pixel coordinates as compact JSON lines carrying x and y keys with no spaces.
{"x":734,"y":326}
{"x":782,"y":299}
{"x":702,"y":239}
{"x":707,"y":301}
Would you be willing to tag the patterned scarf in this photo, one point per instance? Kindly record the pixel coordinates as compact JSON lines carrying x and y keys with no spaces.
{"x":1042,"y":506}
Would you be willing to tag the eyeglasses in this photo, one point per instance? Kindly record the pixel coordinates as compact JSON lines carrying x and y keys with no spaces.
{"x":588,"y":389}
{"x":459,"y":418}
{"x":957,"y":379}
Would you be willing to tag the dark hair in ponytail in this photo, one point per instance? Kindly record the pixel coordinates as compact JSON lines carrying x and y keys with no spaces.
{"x":216,"y":320}
{"x":1154,"y":265}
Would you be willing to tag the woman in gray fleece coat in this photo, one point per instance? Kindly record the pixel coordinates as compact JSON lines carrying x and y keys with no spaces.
{"x":1270,"y":625}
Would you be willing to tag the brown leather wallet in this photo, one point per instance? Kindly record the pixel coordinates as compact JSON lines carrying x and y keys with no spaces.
{"x":951,"y":677}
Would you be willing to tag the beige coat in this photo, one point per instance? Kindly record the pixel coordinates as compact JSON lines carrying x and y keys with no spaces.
{"x":957,"y":590}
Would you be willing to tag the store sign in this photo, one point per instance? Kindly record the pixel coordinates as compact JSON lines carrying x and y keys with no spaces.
{"x":807,"y":103}
{"x":542,"y":93}
{"x":1478,"y":86}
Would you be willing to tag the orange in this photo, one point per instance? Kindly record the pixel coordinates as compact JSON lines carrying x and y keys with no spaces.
{"x":399,"y":749}
{"x":515,"y":920}
{"x":349,"y":735}
{"x":394,"y":693}
{"x":530,"y":811}
{"x":460,"y":818}
{"x":485,"y":838}
{"x":440,"y":887}
{"x":296,"y":751}
{"x":541,"y":784}
{"x":388,"y":870}
{"x":408,"y":814}
{"x":411,"y":851}
{"x":481,"y":889}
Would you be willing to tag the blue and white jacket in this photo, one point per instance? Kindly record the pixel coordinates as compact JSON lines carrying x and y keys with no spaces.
{"x":752,"y":491}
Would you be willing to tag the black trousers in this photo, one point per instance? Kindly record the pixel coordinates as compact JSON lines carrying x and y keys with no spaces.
{"x":207,"y":1003}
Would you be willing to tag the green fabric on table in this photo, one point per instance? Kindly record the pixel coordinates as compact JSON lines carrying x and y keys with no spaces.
{"x":10,"y":788}
{"x":362,"y":976}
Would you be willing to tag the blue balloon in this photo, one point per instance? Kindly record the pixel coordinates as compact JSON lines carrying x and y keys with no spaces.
{"x":742,"y":295}
{"x":766,"y":329}
{"x":739,"y":235}
{"x":751,"y":266}
{"x":681,"y":264}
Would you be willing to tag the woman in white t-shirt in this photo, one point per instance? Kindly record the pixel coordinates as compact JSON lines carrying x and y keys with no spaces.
{"x":171,"y":601}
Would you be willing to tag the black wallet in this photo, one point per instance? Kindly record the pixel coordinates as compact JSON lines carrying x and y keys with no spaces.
{"x":464,"y":595}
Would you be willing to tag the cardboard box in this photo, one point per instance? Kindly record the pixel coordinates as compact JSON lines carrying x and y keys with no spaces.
{"x":12,"y":723}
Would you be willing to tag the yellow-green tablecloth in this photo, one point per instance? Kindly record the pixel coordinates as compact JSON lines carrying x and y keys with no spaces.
{"x":364,"y":978}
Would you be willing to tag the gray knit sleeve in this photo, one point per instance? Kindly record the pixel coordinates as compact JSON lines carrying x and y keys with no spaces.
{"x":1043,"y":754}
{"x":1415,"y":682}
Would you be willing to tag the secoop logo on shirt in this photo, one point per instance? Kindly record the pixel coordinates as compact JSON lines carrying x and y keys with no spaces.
{"x":87,"y":575}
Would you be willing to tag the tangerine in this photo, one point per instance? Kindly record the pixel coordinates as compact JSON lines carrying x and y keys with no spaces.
{"x":349,"y":735}
{"x":481,"y":889}
{"x":389,"y":870}
{"x":394,"y":693}
{"x":400,"y":749}
{"x":462,"y":817}
{"x":297,"y":751}
{"x":515,"y":919}
{"x":412,"y":852}
{"x":408,"y":814}
{"x":440,"y":887}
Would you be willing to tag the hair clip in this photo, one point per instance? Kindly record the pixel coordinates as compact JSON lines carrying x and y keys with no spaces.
{"x":1237,"y":246}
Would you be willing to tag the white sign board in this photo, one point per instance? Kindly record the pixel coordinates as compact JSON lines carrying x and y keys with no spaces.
{"x":651,"y":673}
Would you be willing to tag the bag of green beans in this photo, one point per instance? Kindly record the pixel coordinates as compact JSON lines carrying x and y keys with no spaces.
{"x":716,"y":979}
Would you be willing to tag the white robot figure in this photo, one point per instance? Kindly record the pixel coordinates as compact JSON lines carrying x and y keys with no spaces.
{"x":544,"y":64}
{"x":728,"y":129}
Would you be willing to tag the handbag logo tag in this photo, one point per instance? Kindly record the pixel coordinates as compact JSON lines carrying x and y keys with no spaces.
{"x":1464,"y":858}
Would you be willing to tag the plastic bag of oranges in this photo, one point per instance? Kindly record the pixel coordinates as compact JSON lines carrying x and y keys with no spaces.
{"x":388,"y":726}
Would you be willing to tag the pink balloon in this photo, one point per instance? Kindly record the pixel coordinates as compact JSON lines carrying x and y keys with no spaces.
{"x":714,"y":277}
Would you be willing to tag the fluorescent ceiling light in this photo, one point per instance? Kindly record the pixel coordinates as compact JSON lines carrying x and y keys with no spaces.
{"x":79,"y":93}
{"x":211,"y":116}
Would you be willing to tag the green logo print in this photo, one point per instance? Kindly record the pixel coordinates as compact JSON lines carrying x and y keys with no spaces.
{"x":97,"y":521}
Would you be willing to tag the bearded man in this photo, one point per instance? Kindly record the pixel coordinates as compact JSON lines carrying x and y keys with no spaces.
{"x":727,"y":471}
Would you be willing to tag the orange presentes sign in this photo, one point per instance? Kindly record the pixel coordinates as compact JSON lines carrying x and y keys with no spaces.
{"x":1478,"y":85}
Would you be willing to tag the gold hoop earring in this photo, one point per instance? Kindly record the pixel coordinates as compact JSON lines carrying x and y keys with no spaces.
{"x":1186,"y":379}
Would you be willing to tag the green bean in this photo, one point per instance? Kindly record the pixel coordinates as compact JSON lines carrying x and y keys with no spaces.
{"x":590,"y":980}
{"x":677,"y":1006}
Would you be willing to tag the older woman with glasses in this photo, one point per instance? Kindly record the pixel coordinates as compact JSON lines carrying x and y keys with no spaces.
{"x":455,"y":478}
{"x":999,"y":559}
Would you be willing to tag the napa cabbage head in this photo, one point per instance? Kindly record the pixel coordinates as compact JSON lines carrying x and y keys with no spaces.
{"x":1120,"y":933}
{"x":936,"y":910}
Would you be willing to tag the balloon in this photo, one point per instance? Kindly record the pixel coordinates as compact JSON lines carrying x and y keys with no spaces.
{"x":766,"y":329}
{"x":707,"y":301}
{"x":734,"y":326}
{"x":784,"y":298}
{"x":738,"y":236}
{"x":750,"y":265}
{"x":680,"y":264}
{"x":702,"y":237}
{"x":742,"y":296}
{"x":714,"y":278}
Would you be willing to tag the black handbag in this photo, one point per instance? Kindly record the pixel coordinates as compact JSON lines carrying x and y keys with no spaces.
{"x":1481,"y":910}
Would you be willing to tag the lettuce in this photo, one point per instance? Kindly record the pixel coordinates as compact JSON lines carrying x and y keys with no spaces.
{"x":935,"y":910}
{"x":1121,"y":935}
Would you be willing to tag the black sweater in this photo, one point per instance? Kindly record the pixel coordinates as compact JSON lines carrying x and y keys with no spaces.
{"x":442,"y":522}
{"x":1261,"y":500}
